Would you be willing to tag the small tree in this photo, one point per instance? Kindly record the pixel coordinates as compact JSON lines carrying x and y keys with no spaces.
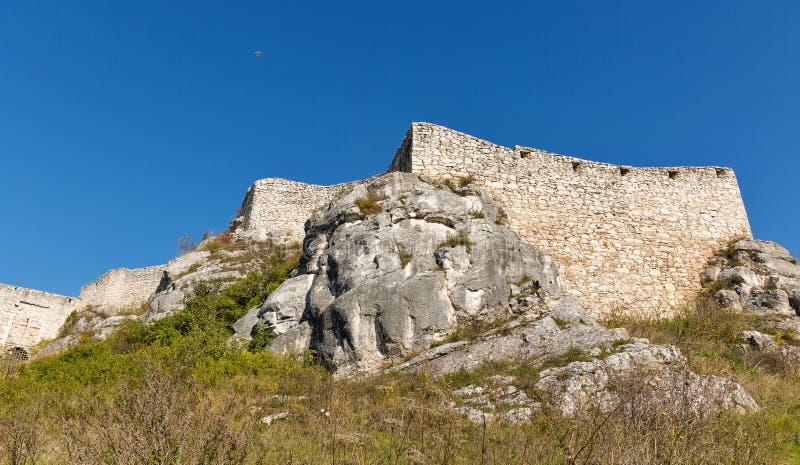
{"x":186,"y":244}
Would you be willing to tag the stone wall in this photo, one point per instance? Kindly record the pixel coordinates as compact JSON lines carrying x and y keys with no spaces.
{"x":28,"y":316}
{"x":122,"y":289}
{"x":276,"y":209}
{"x":626,"y":238}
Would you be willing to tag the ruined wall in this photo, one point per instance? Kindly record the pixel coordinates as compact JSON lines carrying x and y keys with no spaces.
{"x":276,"y":209}
{"x":28,"y":316}
{"x":625,"y":238}
{"x":122,"y":289}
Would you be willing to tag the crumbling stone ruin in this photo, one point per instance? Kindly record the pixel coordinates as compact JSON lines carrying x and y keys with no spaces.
{"x":624,"y":238}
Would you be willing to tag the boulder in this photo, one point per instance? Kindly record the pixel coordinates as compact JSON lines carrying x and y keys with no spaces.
{"x":769,"y":302}
{"x":640,"y":373}
{"x":739,"y":276}
{"x":794,"y":300}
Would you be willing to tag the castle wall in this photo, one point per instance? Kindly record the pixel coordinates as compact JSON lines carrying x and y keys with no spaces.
{"x":122,"y":289}
{"x":28,"y":316}
{"x":276,"y":209}
{"x":626,"y":238}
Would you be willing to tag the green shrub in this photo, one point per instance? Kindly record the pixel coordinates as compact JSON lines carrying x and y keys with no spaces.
{"x":369,"y":205}
{"x":261,"y":338}
{"x":71,"y":320}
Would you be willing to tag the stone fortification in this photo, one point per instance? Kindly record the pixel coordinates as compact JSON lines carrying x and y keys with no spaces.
{"x":122,"y":289}
{"x":28,"y":316}
{"x":624,"y":237}
{"x":276,"y":209}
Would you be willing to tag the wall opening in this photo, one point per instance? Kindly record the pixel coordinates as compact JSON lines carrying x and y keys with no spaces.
{"x":524,"y":153}
{"x":576,"y":166}
{"x":624,"y":171}
{"x":673,"y":174}
{"x":721,"y":172}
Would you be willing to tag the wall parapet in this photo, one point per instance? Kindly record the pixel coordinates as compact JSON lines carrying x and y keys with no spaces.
{"x":625,"y":237}
{"x":122,"y":289}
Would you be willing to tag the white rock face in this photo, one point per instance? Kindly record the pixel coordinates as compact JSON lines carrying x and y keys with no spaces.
{"x":393,"y":266}
{"x":762,"y":280}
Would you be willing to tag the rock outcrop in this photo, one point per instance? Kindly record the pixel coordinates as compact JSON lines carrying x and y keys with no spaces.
{"x":395,"y":268}
{"x":396,"y":265}
{"x":760,"y":279}
{"x":578,"y":364}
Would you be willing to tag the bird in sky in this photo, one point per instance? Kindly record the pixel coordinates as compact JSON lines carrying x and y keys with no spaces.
{"x":258,"y":53}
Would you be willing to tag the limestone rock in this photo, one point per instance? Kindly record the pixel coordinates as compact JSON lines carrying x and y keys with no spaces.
{"x":640,"y":372}
{"x":220,"y":268}
{"x":92,"y":322}
{"x":533,"y":335}
{"x":395,"y":265}
{"x":761,"y":279}
{"x":612,"y":367}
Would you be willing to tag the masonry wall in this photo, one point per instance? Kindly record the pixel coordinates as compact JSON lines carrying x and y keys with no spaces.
{"x":28,"y":316}
{"x":276,"y":209}
{"x":122,"y":289}
{"x":625,"y":238}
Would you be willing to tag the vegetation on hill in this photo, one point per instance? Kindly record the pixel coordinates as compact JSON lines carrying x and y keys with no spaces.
{"x":177,"y":392}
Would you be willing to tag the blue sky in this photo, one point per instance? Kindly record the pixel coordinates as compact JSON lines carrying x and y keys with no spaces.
{"x":125,"y":124}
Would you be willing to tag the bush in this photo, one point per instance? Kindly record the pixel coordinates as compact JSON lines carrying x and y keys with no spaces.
{"x":369,"y":205}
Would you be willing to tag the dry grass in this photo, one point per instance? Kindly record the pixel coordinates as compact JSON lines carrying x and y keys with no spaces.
{"x":197,"y":400}
{"x":708,"y":337}
{"x":163,"y":417}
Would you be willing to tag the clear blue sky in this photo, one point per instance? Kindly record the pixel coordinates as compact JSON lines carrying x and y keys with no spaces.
{"x":125,"y":124}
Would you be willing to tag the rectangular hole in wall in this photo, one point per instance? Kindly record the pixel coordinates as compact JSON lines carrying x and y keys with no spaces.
{"x":624,"y":171}
{"x":524,"y":153}
{"x":720,"y":172}
{"x":576,"y":166}
{"x":673,"y":174}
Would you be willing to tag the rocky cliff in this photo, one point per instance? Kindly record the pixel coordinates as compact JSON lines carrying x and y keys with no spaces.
{"x":393,"y":271}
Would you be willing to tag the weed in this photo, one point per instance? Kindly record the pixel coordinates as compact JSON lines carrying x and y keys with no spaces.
{"x":220,"y":242}
{"x":405,"y":258}
{"x":455,"y":240}
{"x":465,"y":181}
{"x":502,"y":217}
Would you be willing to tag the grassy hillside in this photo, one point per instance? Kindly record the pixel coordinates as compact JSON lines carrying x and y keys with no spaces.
{"x":177,"y":393}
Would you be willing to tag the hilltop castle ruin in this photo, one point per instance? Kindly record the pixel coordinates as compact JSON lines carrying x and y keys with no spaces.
{"x":626,"y":239}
